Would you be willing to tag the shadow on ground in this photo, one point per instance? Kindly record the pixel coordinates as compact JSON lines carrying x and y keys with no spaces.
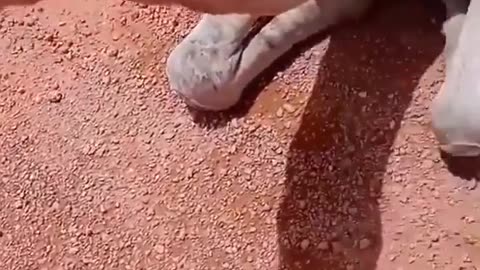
{"x":329,"y":217}
{"x":467,"y":168}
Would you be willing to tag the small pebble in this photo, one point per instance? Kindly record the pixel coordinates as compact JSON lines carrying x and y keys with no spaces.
{"x":112,"y":52}
{"x":55,"y":97}
{"x":323,"y":245}
{"x":304,"y":244}
{"x":288,"y":108}
{"x":364,"y":243}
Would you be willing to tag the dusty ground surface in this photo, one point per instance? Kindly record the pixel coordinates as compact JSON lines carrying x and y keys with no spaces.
{"x":331,"y":166}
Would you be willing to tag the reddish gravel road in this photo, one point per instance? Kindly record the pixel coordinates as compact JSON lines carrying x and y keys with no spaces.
{"x":332,"y":167}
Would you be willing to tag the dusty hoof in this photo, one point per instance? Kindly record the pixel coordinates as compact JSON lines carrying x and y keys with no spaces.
{"x":201,"y":73}
{"x":203,"y":66}
{"x":456,"y":140}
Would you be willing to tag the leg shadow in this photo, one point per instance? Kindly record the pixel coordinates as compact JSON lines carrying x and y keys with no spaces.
{"x":329,"y":217}
{"x":466,"y":168}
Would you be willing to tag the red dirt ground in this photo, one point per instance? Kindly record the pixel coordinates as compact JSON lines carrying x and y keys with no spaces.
{"x":332,"y":167}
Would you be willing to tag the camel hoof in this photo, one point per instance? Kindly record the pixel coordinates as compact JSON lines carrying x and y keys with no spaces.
{"x":454,"y":123}
{"x":201,"y":72}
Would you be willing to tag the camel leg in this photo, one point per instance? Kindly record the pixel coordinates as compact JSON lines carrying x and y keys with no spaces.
{"x":212,"y":73}
{"x":456,"y":109}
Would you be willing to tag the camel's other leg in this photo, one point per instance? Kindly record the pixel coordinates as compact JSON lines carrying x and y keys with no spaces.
{"x":456,"y":109}
{"x":214,"y":79}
